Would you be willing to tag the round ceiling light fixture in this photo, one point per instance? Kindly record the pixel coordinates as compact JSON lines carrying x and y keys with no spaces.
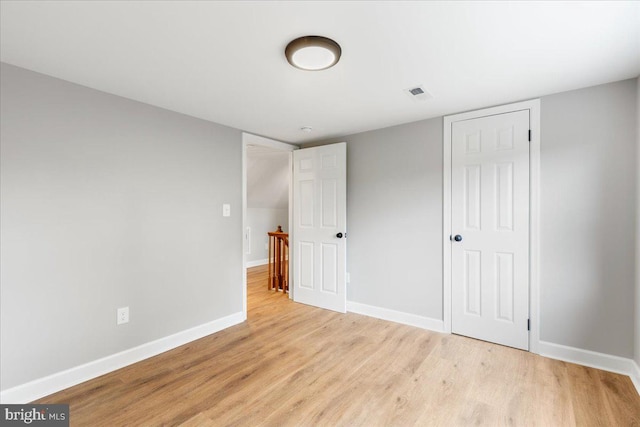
{"x":313,"y":53}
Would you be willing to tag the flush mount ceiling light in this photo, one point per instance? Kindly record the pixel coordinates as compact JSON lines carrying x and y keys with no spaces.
{"x":313,"y":53}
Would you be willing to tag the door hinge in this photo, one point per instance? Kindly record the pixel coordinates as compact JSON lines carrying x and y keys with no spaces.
{"x":529,"y":135}
{"x":528,"y":324}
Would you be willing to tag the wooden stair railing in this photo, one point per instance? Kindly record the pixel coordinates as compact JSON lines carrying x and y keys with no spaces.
{"x":278,"y":260}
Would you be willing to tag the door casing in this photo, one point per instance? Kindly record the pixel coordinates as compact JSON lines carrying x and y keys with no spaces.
{"x":534,"y":205}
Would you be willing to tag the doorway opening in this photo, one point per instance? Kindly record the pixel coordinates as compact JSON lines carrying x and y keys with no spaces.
{"x":266,"y":198}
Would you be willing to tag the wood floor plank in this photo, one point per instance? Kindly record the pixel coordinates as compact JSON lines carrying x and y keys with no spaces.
{"x":304,"y":373}
{"x":618,"y":392}
{"x":294,"y":365}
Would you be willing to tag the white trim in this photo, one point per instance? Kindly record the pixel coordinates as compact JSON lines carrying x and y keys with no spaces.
{"x":250,"y":139}
{"x":592,"y":359}
{"x":534,"y":226}
{"x":292,"y":250}
{"x":534,"y":211}
{"x":41,"y":387}
{"x":257,"y":262}
{"x":446,"y":226}
{"x":396,"y":316}
{"x":244,"y":225}
{"x":635,"y":376}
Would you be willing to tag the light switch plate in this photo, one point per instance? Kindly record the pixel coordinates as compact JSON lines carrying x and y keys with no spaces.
{"x":226,"y":209}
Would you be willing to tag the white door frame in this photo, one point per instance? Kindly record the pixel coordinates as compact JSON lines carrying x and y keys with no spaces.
{"x":250,"y":139}
{"x":534,"y":209}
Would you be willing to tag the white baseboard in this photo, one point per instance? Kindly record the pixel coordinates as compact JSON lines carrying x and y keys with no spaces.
{"x":41,"y":387}
{"x":593,"y":359}
{"x":257,"y":262}
{"x":429,"y":323}
{"x":635,"y":376}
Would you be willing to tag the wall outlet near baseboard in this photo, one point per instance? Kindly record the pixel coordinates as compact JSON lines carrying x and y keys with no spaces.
{"x":123,"y":315}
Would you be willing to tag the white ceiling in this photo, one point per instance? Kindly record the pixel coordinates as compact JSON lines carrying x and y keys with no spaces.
{"x":224,"y":61}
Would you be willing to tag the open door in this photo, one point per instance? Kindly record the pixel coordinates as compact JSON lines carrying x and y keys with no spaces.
{"x":319,"y":247}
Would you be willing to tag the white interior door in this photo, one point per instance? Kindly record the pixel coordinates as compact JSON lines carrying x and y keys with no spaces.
{"x":319,"y":226}
{"x":490,"y":228}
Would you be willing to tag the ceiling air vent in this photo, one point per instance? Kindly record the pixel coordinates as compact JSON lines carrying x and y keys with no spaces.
{"x":418,"y":93}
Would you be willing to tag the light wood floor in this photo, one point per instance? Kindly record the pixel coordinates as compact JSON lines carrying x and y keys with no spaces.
{"x":295,"y":365}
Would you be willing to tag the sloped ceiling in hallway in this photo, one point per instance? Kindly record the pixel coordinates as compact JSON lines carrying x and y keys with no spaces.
{"x":267,"y":178}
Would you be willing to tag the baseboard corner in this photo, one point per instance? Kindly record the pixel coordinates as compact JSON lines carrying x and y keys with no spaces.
{"x":635,"y":376}
{"x":592,"y":359}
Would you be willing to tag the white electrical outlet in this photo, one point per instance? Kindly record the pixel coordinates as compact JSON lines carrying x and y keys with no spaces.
{"x":226,"y":209}
{"x":123,"y":315}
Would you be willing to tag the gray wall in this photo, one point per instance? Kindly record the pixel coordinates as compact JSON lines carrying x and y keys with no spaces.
{"x":394,"y":218}
{"x":588,"y":213}
{"x":106,"y":203}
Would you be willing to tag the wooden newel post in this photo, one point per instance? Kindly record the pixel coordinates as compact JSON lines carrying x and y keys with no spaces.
{"x":278,"y":260}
